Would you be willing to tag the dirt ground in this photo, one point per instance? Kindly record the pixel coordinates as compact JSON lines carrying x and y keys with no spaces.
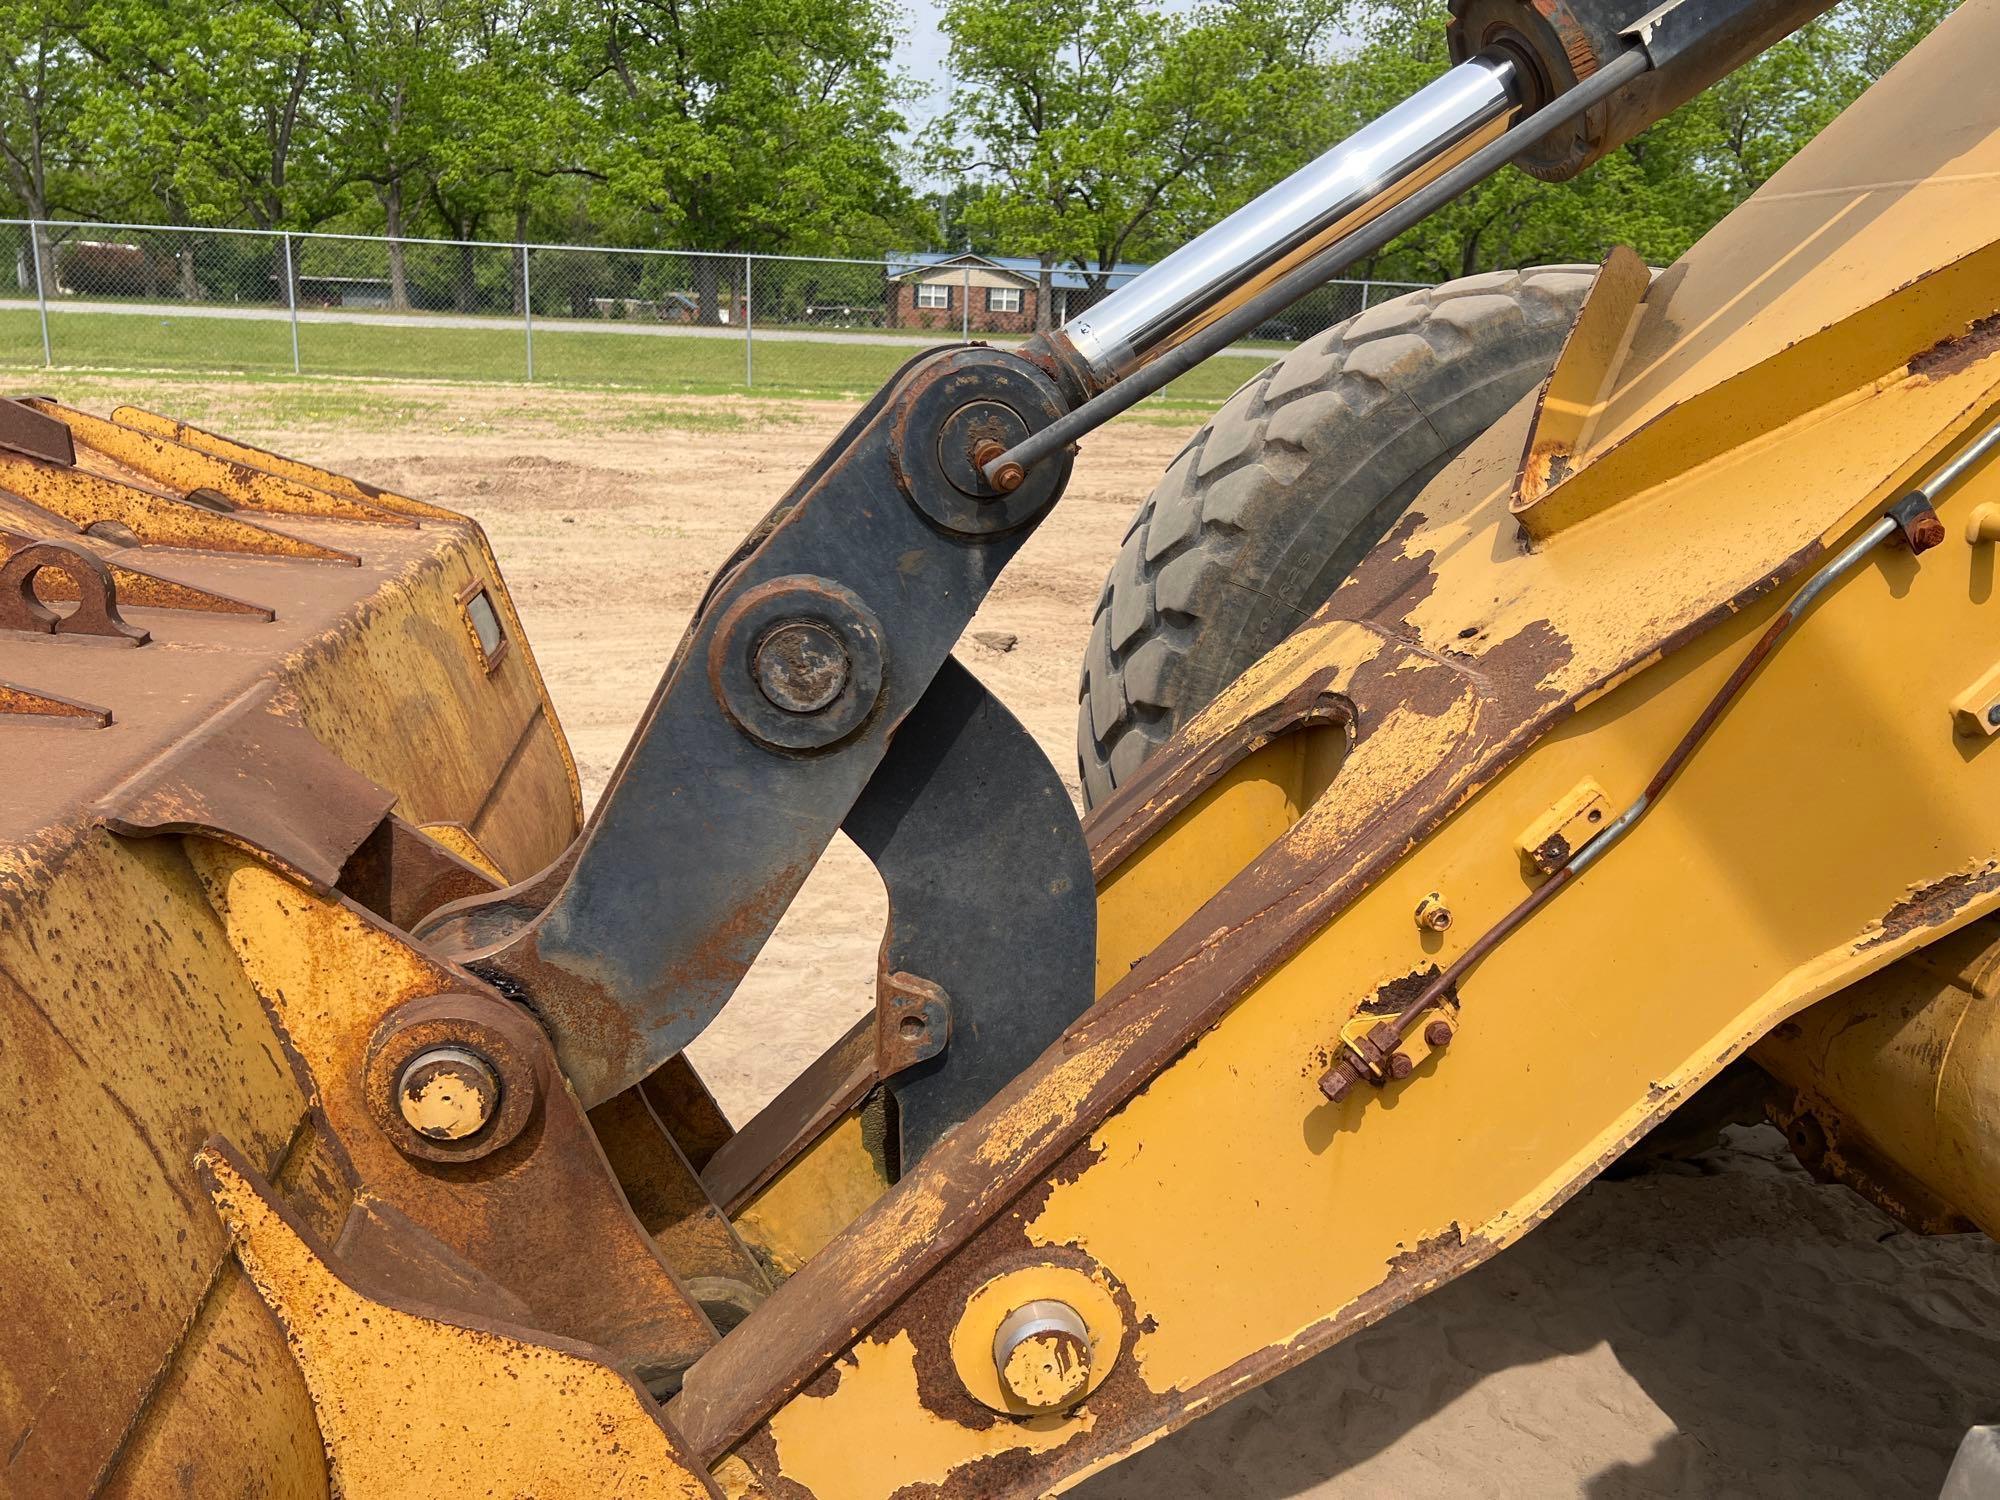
{"x":1717,"y":1327}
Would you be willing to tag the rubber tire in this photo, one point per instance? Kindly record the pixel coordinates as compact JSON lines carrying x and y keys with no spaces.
{"x":1273,"y":502}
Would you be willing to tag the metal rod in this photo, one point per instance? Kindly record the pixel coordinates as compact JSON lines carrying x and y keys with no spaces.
{"x":41,"y":292}
{"x":1294,"y":284}
{"x":965,"y":308}
{"x":1911,"y":519}
{"x":1288,"y":224}
{"x":1948,"y":477}
{"x":527,"y":314}
{"x":292,"y":302}
{"x":748,"y":368}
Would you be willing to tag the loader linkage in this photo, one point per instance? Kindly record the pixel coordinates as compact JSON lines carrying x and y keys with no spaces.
{"x":305,"y":896}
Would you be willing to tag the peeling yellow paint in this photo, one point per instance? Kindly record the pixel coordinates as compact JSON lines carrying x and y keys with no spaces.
{"x":821,"y":1447}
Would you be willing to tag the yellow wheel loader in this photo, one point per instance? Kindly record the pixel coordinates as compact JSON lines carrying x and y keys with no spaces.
{"x":1627,"y":711}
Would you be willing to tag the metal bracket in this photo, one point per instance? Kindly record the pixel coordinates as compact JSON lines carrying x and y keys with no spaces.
{"x":810,"y":654}
{"x":1547,"y":843}
{"x":991,"y":899}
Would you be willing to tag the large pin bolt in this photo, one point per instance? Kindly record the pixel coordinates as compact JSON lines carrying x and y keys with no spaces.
{"x":447,"y":1093}
{"x":1042,"y":1352}
{"x":802,"y":667}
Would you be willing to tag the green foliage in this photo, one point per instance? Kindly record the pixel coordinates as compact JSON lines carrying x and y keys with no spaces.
{"x":1660,"y":192}
{"x":1094,"y":130}
{"x":1101,"y":130}
{"x":1114,"y":128}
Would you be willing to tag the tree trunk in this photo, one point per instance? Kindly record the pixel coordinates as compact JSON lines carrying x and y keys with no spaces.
{"x":465,"y":290}
{"x":399,"y":265}
{"x":190,"y":284}
{"x":1045,"y":290}
{"x":707,"y":293}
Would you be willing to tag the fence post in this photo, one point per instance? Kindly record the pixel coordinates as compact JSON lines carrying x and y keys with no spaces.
{"x":527,"y":313}
{"x":749,"y":368}
{"x":1364,"y":296}
{"x":965,"y":313}
{"x":292,"y":300}
{"x":41,"y":292}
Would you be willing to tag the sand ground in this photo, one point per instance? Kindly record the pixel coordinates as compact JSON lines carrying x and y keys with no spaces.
{"x":1723,"y":1326}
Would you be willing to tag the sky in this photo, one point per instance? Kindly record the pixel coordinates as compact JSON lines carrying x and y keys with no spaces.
{"x":921,"y":53}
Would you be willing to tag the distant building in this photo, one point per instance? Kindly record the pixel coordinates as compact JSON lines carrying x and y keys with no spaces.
{"x":928,"y":289}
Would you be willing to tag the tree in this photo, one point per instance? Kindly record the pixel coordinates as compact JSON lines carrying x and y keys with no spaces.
{"x":391,"y":64}
{"x":1658,"y":193}
{"x":742,"y":124}
{"x":44,"y":78}
{"x":1099,"y":129}
{"x":216,"y":107}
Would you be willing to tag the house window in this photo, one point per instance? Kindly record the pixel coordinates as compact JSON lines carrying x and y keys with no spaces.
{"x":933,"y":294}
{"x":1003,"y":299}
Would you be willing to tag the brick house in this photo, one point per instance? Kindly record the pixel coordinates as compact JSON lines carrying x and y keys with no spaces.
{"x":929,"y":289}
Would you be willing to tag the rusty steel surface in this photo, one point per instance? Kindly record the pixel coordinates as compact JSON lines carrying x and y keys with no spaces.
{"x":420,"y":1399}
{"x":123,"y":998}
{"x":529,"y":1200}
{"x":877,"y":544}
{"x":668,"y":1198}
{"x":1456,"y":652}
{"x":1765,"y":404}
{"x":403,"y":874}
{"x":89,"y":584}
{"x":255,"y":777}
{"x":133,"y":586}
{"x":26,"y":429}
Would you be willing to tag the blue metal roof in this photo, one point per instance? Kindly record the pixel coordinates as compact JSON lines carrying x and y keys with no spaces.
{"x":1063,"y":276}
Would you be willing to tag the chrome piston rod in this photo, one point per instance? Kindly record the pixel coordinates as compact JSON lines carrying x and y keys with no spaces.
{"x":1005,"y":471}
{"x":1224,"y":266}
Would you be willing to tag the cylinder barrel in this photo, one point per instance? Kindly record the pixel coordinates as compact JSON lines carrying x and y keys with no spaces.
{"x":1893,"y":1085}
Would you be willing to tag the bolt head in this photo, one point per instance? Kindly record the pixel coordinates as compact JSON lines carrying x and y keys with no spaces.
{"x":1400,"y":1065}
{"x":1438,"y":1033}
{"x":802,"y":667}
{"x":447,"y":1093}
{"x":1993,"y":715}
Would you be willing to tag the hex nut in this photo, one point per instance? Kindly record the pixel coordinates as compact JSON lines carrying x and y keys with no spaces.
{"x":1432,"y":913}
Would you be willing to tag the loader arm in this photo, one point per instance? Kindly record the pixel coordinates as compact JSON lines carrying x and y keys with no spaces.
{"x":1674,"y":692}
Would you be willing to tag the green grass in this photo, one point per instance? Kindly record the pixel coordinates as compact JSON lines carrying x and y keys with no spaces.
{"x":697,"y":366}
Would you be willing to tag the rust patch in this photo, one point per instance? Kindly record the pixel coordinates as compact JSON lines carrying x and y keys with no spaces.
{"x":1432,"y":1258}
{"x":1932,"y":905}
{"x":1950,"y":355}
{"x":1390,"y":999}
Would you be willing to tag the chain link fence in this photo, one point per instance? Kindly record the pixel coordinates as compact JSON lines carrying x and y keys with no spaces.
{"x":146,"y":297}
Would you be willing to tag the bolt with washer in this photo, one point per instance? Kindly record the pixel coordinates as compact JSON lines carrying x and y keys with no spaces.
{"x":447,"y":1093}
{"x":802,"y":667}
{"x":1042,"y":1353}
